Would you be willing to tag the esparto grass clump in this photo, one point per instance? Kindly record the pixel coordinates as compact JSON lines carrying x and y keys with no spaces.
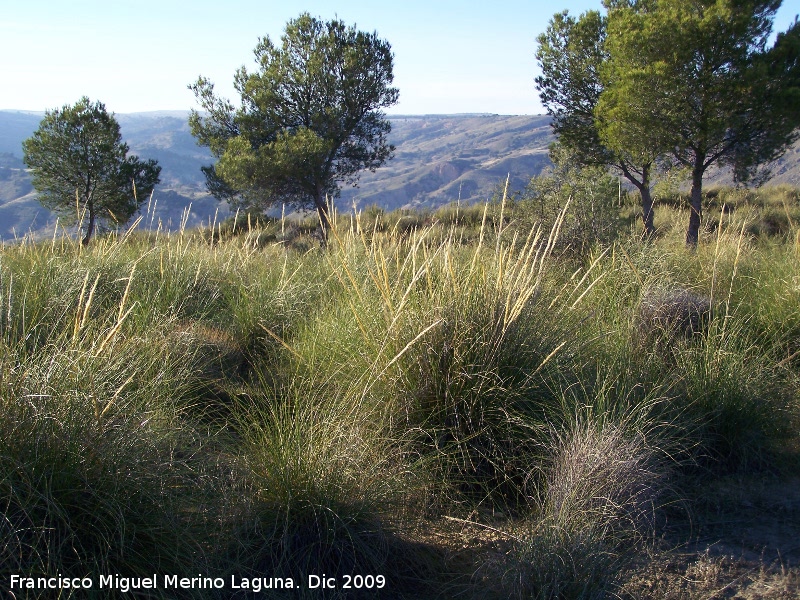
{"x":671,"y":313}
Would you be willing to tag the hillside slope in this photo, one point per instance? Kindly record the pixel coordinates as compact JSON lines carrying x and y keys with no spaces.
{"x":438,"y":159}
{"x":441,"y":158}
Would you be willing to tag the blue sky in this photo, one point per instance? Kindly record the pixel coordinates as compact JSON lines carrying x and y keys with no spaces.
{"x":451,"y":56}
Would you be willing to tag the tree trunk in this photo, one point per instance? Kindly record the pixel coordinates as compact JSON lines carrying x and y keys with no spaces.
{"x":647,"y":212}
{"x":90,"y":227}
{"x":696,"y":203}
{"x":644,"y":193}
{"x":647,"y":203}
{"x":322,"y":211}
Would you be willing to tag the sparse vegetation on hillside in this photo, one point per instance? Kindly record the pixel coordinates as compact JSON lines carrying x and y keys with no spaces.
{"x":523,"y":398}
{"x":447,"y":399}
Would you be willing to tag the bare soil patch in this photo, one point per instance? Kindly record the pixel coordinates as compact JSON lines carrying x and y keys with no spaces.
{"x":741,"y":539}
{"x":738,"y":538}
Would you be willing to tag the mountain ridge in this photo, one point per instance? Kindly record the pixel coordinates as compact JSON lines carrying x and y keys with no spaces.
{"x":438,"y":159}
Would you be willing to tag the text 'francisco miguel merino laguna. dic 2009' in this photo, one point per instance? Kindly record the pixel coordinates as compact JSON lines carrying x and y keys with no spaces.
{"x":200,"y":582}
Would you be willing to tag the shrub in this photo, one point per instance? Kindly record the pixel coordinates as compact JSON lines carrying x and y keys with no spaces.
{"x":668,"y":314}
{"x":589,"y":194}
{"x":600,"y":495}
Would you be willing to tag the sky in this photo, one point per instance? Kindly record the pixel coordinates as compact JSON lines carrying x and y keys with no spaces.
{"x":450,"y":56}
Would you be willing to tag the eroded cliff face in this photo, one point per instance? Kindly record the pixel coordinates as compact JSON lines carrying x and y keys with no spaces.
{"x":445,"y":158}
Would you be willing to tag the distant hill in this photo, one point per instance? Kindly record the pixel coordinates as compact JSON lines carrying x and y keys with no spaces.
{"x":438,"y":159}
{"x":441,"y":158}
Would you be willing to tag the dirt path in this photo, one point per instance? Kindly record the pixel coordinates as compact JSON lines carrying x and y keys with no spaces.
{"x":743,"y":542}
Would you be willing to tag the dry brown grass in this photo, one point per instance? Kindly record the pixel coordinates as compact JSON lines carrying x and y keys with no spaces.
{"x":667,"y":314}
{"x":706,"y":576}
